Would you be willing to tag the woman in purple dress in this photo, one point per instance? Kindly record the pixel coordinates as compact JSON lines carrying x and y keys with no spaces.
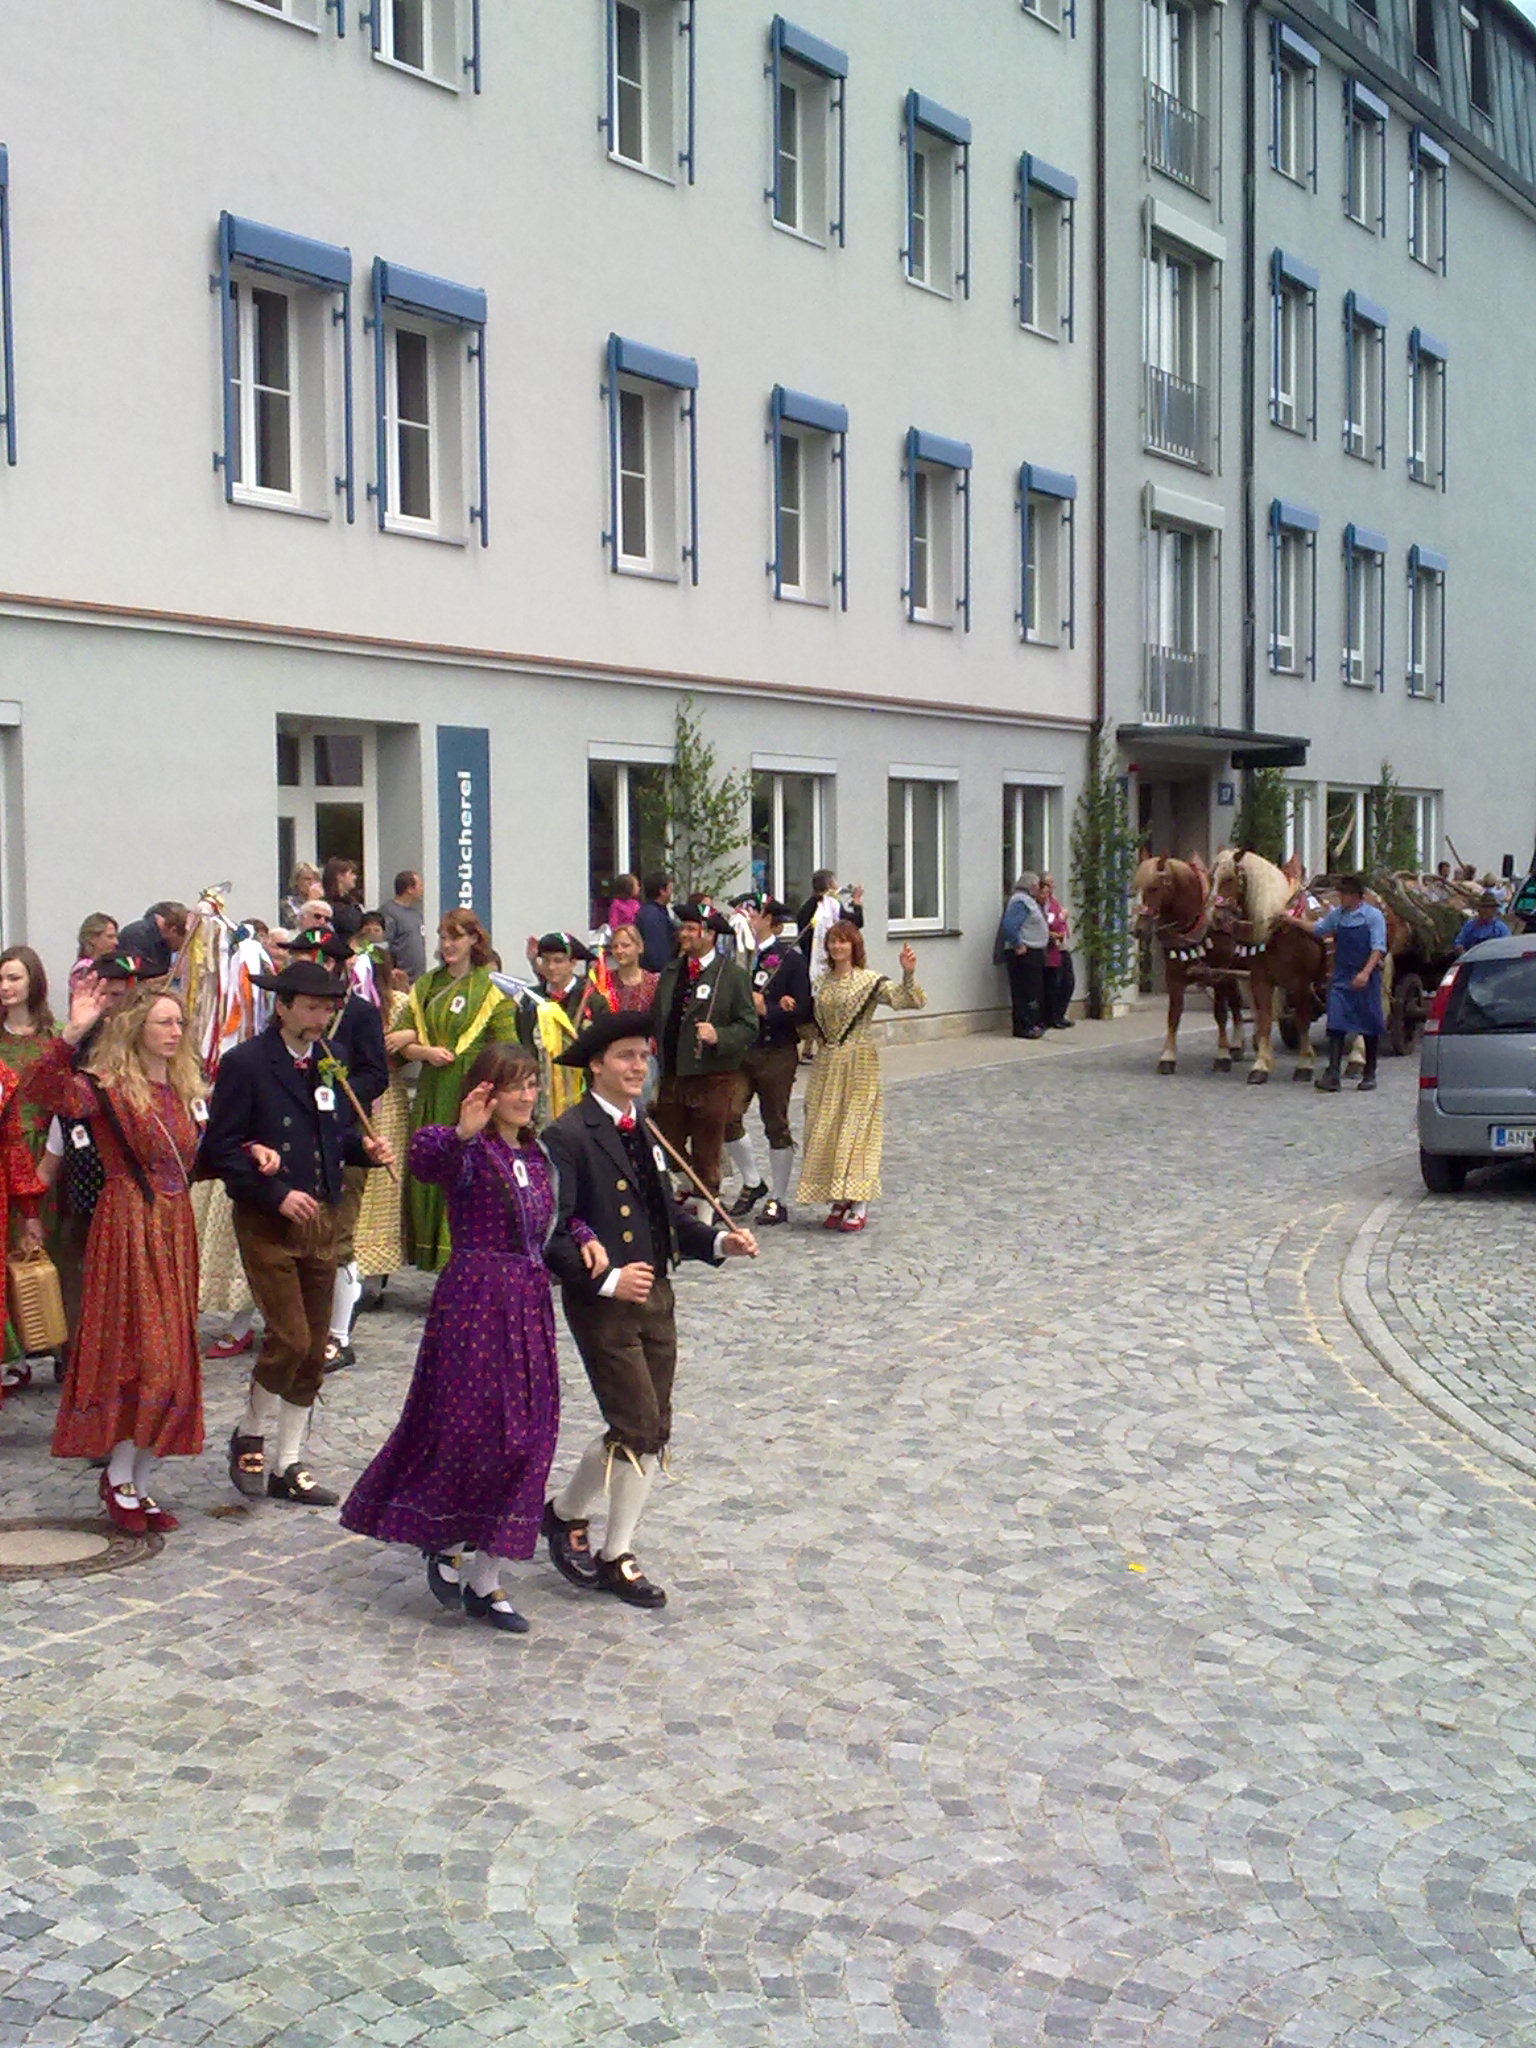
{"x":466,"y":1466}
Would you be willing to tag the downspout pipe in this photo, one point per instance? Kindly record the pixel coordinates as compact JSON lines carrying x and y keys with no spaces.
{"x":1249,"y":384}
{"x":1100,"y":372}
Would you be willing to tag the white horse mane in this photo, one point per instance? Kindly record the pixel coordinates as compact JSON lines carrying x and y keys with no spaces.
{"x":1258,"y":885}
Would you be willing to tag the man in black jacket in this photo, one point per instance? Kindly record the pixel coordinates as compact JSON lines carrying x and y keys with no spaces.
{"x":276,"y":1090}
{"x":781,"y":996}
{"x":156,"y":937}
{"x":612,"y":1174}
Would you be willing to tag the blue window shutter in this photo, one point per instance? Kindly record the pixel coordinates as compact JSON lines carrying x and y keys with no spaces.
{"x":688,"y":27}
{"x":1362,"y":540}
{"x":472,"y":61}
{"x":824,"y":417}
{"x":339,"y":9}
{"x":820,"y":413}
{"x":1045,"y":175}
{"x":926,"y":113}
{"x":676,"y":373}
{"x":935,"y":449}
{"x":1046,"y":483}
{"x":434,"y":298}
{"x":1425,"y":344}
{"x":372,"y":19}
{"x":1365,"y":102}
{"x":808,"y":51}
{"x":1368,"y":311}
{"x":654,"y":365}
{"x":1294,"y":271}
{"x":1291,"y":518}
{"x":7,"y":326}
{"x":1295,"y":47}
{"x":281,"y":254}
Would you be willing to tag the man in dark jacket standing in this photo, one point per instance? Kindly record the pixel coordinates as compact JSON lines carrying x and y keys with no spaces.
{"x":276,"y":1091}
{"x":156,"y":937}
{"x":703,"y":1022}
{"x":654,"y":924}
{"x":781,"y":996}
{"x":612,"y":1175}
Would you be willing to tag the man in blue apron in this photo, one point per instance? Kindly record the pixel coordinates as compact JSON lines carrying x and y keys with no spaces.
{"x":1359,"y":933}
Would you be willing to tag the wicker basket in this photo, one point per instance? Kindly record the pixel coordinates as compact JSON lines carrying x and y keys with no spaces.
{"x":36,"y":1304}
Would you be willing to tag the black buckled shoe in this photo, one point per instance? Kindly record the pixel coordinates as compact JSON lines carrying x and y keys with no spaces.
{"x":774,"y":1211}
{"x":570,"y":1552}
{"x":621,"y":1575}
{"x":495,"y":1609}
{"x":445,"y":1591}
{"x":247,"y":1465}
{"x":301,"y":1487}
{"x":338,"y":1356}
{"x":749,"y":1198}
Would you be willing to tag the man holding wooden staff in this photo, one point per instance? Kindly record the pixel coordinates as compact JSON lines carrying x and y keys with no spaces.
{"x":279,"y":1090}
{"x":704,"y":1025}
{"x":612,"y":1171}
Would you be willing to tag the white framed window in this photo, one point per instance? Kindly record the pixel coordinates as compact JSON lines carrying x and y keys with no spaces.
{"x":938,"y":478}
{"x":1180,"y":599}
{"x":1301,"y":824}
{"x":938,"y":145}
{"x":429,"y":376}
{"x":1293,"y":581}
{"x":1047,"y":568}
{"x":411,"y":421}
{"x":1365,"y":157}
{"x":789,"y":811}
{"x":1293,"y":349}
{"x":301,"y":13}
{"x":1344,"y":834}
{"x":1365,"y":379}
{"x":807,"y":439}
{"x":1426,"y":409}
{"x":1426,"y":623}
{"x":1029,"y":829}
{"x":1177,"y":310}
{"x":264,"y":375}
{"x":626,"y":818}
{"x":1365,"y":617}
{"x":433,"y":39}
{"x":1047,"y":252}
{"x":1474,"y":50}
{"x":328,"y":797}
{"x":1174,"y":56}
{"x":917,"y":850}
{"x":653,"y":461}
{"x":807,"y":84}
{"x":1428,"y":200}
{"x":1293,"y":69}
{"x":649,"y":116}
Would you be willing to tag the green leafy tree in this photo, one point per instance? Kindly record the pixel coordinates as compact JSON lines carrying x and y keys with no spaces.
{"x":698,"y":814}
{"x":1103,"y":865}
{"x":1261,"y":818}
{"x":1391,"y":843}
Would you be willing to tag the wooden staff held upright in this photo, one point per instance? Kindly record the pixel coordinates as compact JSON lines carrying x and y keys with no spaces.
{"x":339,"y":1073}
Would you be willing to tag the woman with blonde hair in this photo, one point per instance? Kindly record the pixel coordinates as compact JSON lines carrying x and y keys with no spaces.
{"x":133,"y":1391}
{"x":455,"y":1010}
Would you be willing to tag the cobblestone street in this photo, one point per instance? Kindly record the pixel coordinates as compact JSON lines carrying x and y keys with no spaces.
{"x":1080,"y":1630}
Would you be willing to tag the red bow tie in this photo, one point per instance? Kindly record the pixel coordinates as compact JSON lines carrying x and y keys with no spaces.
{"x":626,"y":1124}
{"x":693,"y":969}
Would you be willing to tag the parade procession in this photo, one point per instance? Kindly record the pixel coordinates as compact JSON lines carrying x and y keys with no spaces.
{"x":767,"y":1023}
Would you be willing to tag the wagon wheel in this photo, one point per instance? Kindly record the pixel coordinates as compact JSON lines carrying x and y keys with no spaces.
{"x":1407,"y":1018}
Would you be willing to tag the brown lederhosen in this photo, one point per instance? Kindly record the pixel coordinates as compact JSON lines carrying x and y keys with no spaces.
{"x":354,"y":1184}
{"x":768,"y":1072}
{"x":691,"y":1110}
{"x":291,"y":1268}
{"x":629,"y":1349}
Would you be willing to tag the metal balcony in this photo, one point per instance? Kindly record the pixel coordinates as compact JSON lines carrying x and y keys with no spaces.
{"x":1176,"y":687}
{"x":1178,"y":417}
{"x":1178,"y":140}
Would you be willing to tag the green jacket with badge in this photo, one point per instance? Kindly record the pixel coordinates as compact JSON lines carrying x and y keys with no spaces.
{"x":721,"y":996}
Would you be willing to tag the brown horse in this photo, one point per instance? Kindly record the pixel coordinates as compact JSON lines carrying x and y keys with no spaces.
{"x":1292,"y":960}
{"x":1201,"y":949}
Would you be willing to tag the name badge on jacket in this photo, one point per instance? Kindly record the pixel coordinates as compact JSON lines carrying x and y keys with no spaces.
{"x":520,"y":1173}
{"x":660,"y":1158}
{"x":199,"y":1111}
{"x":325,"y":1098}
{"x":701,"y":991}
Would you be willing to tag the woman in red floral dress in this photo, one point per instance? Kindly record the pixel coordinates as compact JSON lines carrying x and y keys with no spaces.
{"x":133,"y":1391}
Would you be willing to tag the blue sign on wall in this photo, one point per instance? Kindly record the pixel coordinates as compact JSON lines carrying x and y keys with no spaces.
{"x":464,"y":818}
{"x":1226,"y":792}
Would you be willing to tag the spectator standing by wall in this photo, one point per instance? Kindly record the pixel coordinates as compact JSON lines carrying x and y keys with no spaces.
{"x":405,"y":931}
{"x":1022,"y":940}
{"x":655,"y":923}
{"x":1060,"y":980}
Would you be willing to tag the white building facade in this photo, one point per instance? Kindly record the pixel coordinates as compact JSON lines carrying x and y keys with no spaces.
{"x":410,"y":412}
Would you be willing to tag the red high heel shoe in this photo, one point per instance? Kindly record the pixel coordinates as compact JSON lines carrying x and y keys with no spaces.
{"x":131,"y":1520}
{"x":158,"y":1520}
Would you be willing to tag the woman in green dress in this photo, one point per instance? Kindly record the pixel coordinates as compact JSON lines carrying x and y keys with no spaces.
{"x":455,"y":1010}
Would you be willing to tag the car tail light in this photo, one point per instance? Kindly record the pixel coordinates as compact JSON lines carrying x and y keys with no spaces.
{"x":1428,"y":1081}
{"x":1441,"y":998}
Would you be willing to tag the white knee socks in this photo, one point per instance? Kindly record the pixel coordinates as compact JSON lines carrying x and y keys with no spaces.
{"x":291,"y":1425}
{"x":260,"y":1412}
{"x":587,"y":1483}
{"x":120,"y":1466}
{"x":739,"y":1152}
{"x":779,"y":1165}
{"x":628,"y":1493}
{"x":344,"y":1298}
{"x":484,"y":1575}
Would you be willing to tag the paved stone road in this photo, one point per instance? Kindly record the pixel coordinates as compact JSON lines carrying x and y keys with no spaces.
{"x":1075,"y":1636}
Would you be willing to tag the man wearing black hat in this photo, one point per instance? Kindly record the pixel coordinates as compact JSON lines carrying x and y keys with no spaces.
{"x":703,"y":1022}
{"x":357,"y":1040}
{"x":781,"y":996}
{"x":278,"y":1090}
{"x":613,"y":1176}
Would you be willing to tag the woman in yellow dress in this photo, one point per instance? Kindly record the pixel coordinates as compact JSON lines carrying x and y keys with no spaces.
{"x":455,"y":1009}
{"x":844,"y":1103}
{"x":379,"y":1241}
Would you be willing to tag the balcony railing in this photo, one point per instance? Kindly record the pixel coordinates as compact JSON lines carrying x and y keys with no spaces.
{"x":1178,"y":417}
{"x":1177,"y":687}
{"x":1177,"y":140}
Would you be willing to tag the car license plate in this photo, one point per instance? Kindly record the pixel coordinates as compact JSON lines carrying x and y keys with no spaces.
{"x":1513,"y":1137}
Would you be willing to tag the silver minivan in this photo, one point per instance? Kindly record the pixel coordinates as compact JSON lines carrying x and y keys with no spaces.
{"x":1477,"y":1064}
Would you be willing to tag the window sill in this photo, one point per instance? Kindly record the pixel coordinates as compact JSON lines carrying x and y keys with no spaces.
{"x":1422,"y":696}
{"x":938,"y":625}
{"x":442,"y":540}
{"x":642,"y":574}
{"x":1369,"y":683}
{"x":1189,"y":462}
{"x":1041,"y":640}
{"x":1370,"y":227}
{"x":1428,"y":483}
{"x":1303,"y":432}
{"x":1294,"y":675}
{"x":781,"y":227}
{"x":253,"y":501}
{"x":310,"y":28}
{"x":934,"y":291}
{"x":1041,"y":333}
{"x":805,"y":598}
{"x":410,"y":71}
{"x":1045,"y":21}
{"x":627,"y":163}
{"x":896,"y":930}
{"x":1425,"y":263}
{"x":1300,"y":179}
